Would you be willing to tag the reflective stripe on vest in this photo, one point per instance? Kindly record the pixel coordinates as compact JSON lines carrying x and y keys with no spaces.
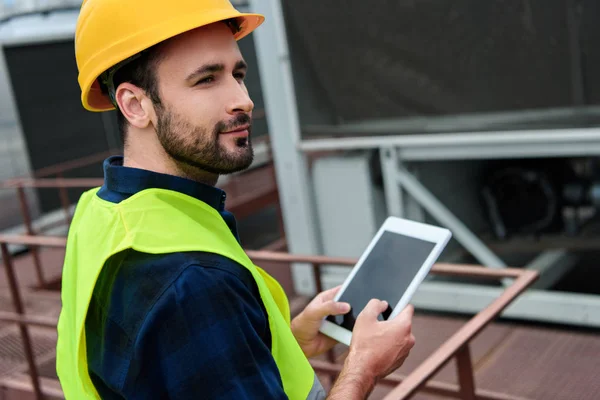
{"x":159,"y":221}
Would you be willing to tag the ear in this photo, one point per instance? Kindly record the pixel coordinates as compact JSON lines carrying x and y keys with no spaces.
{"x":135,"y":105}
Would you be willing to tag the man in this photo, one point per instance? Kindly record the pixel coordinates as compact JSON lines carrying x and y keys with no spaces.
{"x":159,"y":299}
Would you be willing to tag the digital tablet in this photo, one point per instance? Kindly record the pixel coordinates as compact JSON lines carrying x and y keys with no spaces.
{"x":391,"y":268}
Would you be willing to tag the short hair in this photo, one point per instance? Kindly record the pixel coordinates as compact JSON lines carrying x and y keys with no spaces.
{"x":141,"y":72}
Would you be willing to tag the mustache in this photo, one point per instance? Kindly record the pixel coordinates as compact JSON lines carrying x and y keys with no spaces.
{"x":239,"y":121}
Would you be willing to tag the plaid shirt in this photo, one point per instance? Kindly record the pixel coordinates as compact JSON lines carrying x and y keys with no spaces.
{"x":181,"y":325}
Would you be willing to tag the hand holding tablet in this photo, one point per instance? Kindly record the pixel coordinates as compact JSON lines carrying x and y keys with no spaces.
{"x":378,"y":348}
{"x":392,"y":267}
{"x":378,"y":327}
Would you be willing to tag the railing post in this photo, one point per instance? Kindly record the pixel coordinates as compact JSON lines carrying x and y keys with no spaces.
{"x":29,"y":228}
{"x":466,"y":378}
{"x":19,"y":309}
{"x":317,"y":275}
{"x":64,"y":199}
{"x":279,"y":210}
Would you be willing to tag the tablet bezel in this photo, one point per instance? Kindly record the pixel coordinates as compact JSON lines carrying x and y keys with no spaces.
{"x":439,"y":236}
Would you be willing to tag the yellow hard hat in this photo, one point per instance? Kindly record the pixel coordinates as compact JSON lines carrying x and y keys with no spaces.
{"x":108,"y":32}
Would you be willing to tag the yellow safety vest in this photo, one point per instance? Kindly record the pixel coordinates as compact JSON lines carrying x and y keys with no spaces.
{"x":159,"y":221}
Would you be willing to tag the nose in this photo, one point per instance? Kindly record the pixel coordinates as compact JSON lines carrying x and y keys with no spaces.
{"x":240,"y":100}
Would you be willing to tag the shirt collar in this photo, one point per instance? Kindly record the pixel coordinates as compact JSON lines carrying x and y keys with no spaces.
{"x":129,"y":181}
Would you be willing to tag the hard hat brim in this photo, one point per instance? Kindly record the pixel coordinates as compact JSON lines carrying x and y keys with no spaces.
{"x":92,"y":97}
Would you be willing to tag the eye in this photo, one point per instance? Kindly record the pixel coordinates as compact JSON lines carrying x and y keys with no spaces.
{"x":203,"y":81}
{"x":240,"y":75}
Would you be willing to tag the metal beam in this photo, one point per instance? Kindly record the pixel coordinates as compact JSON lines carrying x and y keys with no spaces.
{"x":393,"y":194}
{"x":488,"y":139}
{"x":440,"y":212}
{"x":533,"y":305}
{"x":499,"y":151}
{"x":413,"y":210}
{"x":291,"y":168}
{"x":468,"y":122}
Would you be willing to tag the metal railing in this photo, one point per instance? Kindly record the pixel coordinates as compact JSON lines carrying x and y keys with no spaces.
{"x":53,"y":177}
{"x":458,"y":345}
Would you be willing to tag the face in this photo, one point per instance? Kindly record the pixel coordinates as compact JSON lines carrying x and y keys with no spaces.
{"x":205,"y":115}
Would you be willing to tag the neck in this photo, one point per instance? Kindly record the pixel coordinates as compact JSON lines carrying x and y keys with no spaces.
{"x":157,"y":160}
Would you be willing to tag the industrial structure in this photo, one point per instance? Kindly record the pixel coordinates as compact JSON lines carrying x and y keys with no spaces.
{"x":481,"y":117}
{"x":420,"y":109}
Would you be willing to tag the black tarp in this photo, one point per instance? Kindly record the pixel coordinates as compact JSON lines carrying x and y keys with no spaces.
{"x":56,"y":127}
{"x":406,"y":58}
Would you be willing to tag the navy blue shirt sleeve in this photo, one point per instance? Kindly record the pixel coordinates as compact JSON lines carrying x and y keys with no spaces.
{"x":203,"y":338}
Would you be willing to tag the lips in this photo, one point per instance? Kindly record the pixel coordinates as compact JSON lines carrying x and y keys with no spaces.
{"x":239,"y":130}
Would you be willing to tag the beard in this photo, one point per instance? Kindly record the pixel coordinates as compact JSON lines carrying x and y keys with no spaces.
{"x":197,"y":148}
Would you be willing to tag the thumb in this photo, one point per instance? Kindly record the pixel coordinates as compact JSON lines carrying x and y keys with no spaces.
{"x":319,"y":311}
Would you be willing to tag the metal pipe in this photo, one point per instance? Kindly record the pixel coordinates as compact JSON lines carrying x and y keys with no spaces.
{"x":439,"y":211}
{"x":63,"y":167}
{"x":439,"y":268}
{"x":466,"y":379}
{"x":29,"y":229}
{"x":64,"y":200}
{"x":34,"y":240}
{"x":513,"y":137}
{"x":18,"y":304}
{"x":73,"y":164}
{"x":34,"y":320}
{"x":278,"y":209}
{"x":282,"y":257}
{"x":317,"y":276}
{"x":467,"y":122}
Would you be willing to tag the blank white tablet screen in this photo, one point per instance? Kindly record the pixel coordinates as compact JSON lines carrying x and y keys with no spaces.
{"x":385,"y":274}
